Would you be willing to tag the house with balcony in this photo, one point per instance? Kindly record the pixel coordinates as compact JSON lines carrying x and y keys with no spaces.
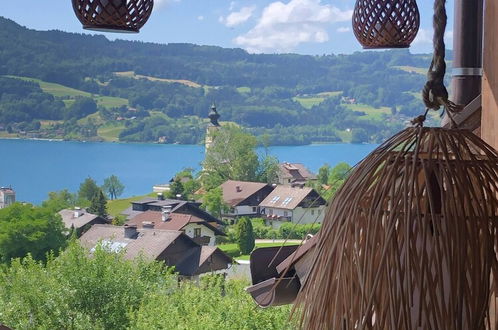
{"x":294,"y":174}
{"x":300,"y":205}
{"x":244,"y":198}
{"x":199,"y":230}
{"x":170,"y":206}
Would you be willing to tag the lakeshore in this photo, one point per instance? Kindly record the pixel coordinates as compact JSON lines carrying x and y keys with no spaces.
{"x":36,"y":167}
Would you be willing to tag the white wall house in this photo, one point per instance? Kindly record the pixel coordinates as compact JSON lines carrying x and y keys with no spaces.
{"x":194,"y":230}
{"x":244,"y":198}
{"x":293,"y":204}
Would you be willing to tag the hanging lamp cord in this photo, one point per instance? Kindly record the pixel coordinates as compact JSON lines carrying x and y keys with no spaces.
{"x":435,"y":94}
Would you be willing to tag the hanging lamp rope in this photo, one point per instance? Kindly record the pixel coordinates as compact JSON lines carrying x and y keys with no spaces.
{"x":435,"y":94}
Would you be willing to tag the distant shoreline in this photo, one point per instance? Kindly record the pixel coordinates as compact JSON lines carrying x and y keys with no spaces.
{"x":179,"y":144}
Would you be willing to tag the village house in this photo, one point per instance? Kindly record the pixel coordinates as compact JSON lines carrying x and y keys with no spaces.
{"x":199,"y":230}
{"x":80,"y":220}
{"x":172,"y":206}
{"x":301,"y":205}
{"x":294,"y":174}
{"x":244,"y":198}
{"x":172,"y":247}
{"x":7,"y":197}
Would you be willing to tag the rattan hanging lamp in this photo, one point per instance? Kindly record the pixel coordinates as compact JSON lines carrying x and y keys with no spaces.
{"x":386,"y":23}
{"x":123,"y":16}
{"x":410,"y":240}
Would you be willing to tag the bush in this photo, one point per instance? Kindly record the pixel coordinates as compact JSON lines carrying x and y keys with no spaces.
{"x":78,"y":292}
{"x":245,"y":235}
{"x":215,"y":304}
{"x":293,"y":231}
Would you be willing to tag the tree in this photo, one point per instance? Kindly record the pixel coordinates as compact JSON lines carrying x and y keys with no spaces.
{"x":25,"y":229}
{"x":232,"y":156}
{"x":213,"y":202}
{"x":268,"y":170}
{"x":245,"y":235}
{"x":323,"y":174}
{"x":58,"y":200}
{"x":88,"y":189}
{"x":359,"y":136}
{"x":82,"y":107}
{"x":113,"y":187}
{"x":175,"y":189}
{"x":99,"y":205}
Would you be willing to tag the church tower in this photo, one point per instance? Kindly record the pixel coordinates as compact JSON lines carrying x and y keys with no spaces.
{"x":213,"y":126}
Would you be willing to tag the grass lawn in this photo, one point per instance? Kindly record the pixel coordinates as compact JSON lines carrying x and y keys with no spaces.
{"x":244,"y":89}
{"x":58,"y":90}
{"x":117,"y":206}
{"x":346,"y":136}
{"x":131,"y":74}
{"x":233,"y":250}
{"x":110,"y":132}
{"x":371,"y":112}
{"x":309,"y":101}
{"x":412,"y":69}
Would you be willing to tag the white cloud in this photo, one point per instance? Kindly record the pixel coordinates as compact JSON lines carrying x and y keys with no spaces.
{"x":238,"y":17}
{"x":425,"y":36}
{"x":282,"y":27}
{"x":343,"y":29}
{"x":200,"y":18}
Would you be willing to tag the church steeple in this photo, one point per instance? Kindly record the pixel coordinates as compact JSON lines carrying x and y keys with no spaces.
{"x":213,"y":126}
{"x":214,"y":116}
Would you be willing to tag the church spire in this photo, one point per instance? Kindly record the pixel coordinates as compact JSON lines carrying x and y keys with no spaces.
{"x":214,"y":116}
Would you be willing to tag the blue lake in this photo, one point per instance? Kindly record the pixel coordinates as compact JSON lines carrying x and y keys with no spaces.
{"x":34,"y":168}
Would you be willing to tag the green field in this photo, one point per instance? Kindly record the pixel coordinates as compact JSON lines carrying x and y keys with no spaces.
{"x":233,"y":250}
{"x":69,"y":93}
{"x":110,"y":132}
{"x":371,"y":112}
{"x":244,"y":89}
{"x":412,"y":69}
{"x":117,"y":206}
{"x":309,"y":101}
{"x":132,"y":74}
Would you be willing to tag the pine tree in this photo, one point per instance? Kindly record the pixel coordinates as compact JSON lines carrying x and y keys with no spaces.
{"x":99,"y":205}
{"x":245,"y":236}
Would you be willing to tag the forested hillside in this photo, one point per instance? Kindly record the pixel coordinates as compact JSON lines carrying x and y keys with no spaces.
{"x":75,"y":86}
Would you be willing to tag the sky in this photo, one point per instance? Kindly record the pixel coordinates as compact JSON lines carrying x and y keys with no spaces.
{"x":313,"y":27}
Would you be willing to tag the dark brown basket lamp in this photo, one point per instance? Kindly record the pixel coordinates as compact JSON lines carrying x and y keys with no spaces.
{"x":386,"y":23}
{"x":122,"y":16}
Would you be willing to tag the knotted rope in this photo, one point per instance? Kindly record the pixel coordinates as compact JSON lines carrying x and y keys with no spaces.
{"x":435,"y":93}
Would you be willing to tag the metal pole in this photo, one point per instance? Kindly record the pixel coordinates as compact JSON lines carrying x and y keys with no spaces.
{"x":467,"y":50}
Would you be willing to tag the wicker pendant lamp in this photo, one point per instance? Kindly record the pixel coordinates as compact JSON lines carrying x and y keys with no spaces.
{"x":123,"y":16}
{"x":408,"y":241}
{"x":386,"y":23}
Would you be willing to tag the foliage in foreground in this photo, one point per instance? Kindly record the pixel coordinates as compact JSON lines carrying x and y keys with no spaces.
{"x":28,"y":229}
{"x":105,"y":291}
{"x":211,"y":305}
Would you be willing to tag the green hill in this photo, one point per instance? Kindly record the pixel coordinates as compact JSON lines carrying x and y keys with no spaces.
{"x":294,"y":99}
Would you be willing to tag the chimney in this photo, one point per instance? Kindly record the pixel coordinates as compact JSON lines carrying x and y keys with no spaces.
{"x":160,"y":196}
{"x":166,"y":212}
{"x":130,"y":231}
{"x":77,"y":212}
{"x":148,"y":225}
{"x":238,"y":189}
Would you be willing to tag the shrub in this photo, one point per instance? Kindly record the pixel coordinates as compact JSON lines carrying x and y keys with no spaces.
{"x":245,"y":235}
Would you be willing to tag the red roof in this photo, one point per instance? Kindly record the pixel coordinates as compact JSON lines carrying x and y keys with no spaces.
{"x":176,"y":221}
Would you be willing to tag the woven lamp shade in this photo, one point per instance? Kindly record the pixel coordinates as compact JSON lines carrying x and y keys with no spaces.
{"x":113,"y":15}
{"x":386,"y":23}
{"x":408,"y":241}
